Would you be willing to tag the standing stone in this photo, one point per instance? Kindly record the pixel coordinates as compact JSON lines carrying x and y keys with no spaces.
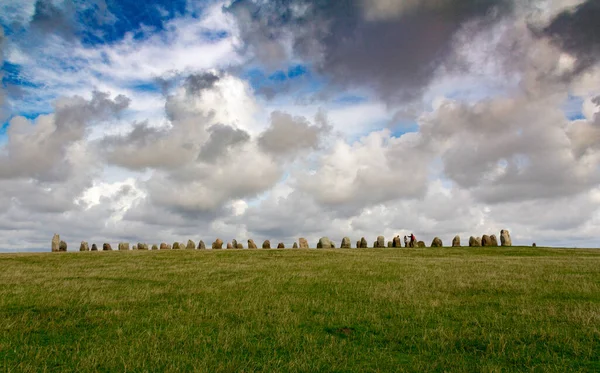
{"x":358,"y":244}
{"x":390,"y":244}
{"x":397,"y":242}
{"x":295,"y":245}
{"x":437,"y":242}
{"x":123,"y":246}
{"x":485,"y":241}
{"x":374,"y":244}
{"x":191,"y":245}
{"x":234,"y":243}
{"x":84,"y":246}
{"x":154,"y":247}
{"x":239,"y":245}
{"x":142,"y":246}
{"x":303,"y":243}
{"x":134,"y":247}
{"x":55,"y":243}
{"x":505,"y":238}
{"x":266,"y":244}
{"x":324,"y":243}
{"x":345,"y":243}
{"x":478,"y":240}
{"x":421,"y":244}
{"x":169,"y":247}
{"x":281,"y":245}
{"x":106,"y":247}
{"x":473,"y":242}
{"x":163,"y":246}
{"x":493,"y":240}
{"x":94,"y":247}
{"x":176,"y":245}
{"x":251,"y":244}
{"x":201,"y":245}
{"x":363,"y":243}
{"x":229,"y":246}
{"x":62,"y":246}
{"x":380,"y":241}
{"x":534,"y":245}
{"x":456,"y":241}
{"x":218,"y":244}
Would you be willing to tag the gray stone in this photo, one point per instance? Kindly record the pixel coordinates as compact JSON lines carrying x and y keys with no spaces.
{"x":363,"y":243}
{"x":55,"y":243}
{"x":84,"y":246}
{"x":485,"y":241}
{"x":251,"y":244}
{"x":218,"y":244}
{"x":106,"y":247}
{"x":239,"y":245}
{"x":345,"y":243}
{"x":94,"y":247}
{"x":303,"y":243}
{"x":191,"y":245}
{"x":142,"y":246}
{"x":123,"y":246}
{"x":176,"y":245}
{"x":266,"y":244}
{"x":229,"y":246}
{"x":437,"y":242}
{"x":421,"y":244}
{"x":324,"y":243}
{"x":456,"y":241}
{"x":281,"y":245}
{"x":380,"y":241}
{"x":234,"y":243}
{"x":163,"y":246}
{"x":295,"y":246}
{"x":493,"y":240}
{"x":154,"y":247}
{"x":534,"y":245}
{"x":134,"y":247}
{"x":505,"y":238}
{"x":358,"y":244}
{"x":201,"y":245}
{"x":397,"y":242}
{"x":390,"y":244}
{"x":62,"y":246}
{"x":473,"y":242}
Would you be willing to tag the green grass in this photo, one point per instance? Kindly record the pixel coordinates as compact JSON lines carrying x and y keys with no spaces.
{"x":361,"y":310}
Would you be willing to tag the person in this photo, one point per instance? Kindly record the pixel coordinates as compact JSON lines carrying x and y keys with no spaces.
{"x":405,"y":241}
{"x":412,"y":240}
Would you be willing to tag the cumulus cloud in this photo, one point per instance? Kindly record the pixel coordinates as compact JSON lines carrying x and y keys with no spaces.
{"x":289,"y":135}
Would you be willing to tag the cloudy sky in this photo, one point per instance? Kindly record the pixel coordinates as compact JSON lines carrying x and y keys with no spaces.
{"x":296,"y":118}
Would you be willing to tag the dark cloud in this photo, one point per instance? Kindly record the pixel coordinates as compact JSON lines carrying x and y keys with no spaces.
{"x":395,"y":51}
{"x":196,"y":83}
{"x":50,"y":19}
{"x":290,"y":135}
{"x":577,"y":31}
{"x":222,"y":139}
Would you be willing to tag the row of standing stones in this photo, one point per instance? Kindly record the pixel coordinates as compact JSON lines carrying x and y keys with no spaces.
{"x":324,"y":243}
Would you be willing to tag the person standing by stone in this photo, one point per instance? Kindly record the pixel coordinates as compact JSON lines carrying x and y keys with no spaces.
{"x":405,"y":241}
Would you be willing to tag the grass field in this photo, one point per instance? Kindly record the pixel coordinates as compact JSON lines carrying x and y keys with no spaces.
{"x":362,"y":310}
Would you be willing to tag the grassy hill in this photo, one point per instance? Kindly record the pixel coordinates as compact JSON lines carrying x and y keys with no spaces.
{"x":479,"y":309}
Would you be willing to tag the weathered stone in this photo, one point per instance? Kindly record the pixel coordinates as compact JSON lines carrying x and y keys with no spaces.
{"x":251,"y":244}
{"x":191,"y":245}
{"x":106,"y":247}
{"x":142,"y":246}
{"x":421,"y":244}
{"x":281,"y":245}
{"x":303,"y":243}
{"x":363,"y":243}
{"x":456,"y":241}
{"x":485,"y":241}
{"x":234,"y":243}
{"x":229,"y":245}
{"x":154,"y":247}
{"x":163,"y":246}
{"x":505,"y":238}
{"x":374,"y":243}
{"x":62,"y":246}
{"x":345,"y":243}
{"x":473,"y":242}
{"x":397,"y":242}
{"x":478,"y":240}
{"x":358,"y":244}
{"x":324,"y":243}
{"x":390,"y":244}
{"x":218,"y":244}
{"x":94,"y":247}
{"x":266,"y":244}
{"x":84,"y":246}
{"x":55,"y":243}
{"x":169,"y":247}
{"x":493,"y":240}
{"x":380,"y":241}
{"x":176,"y":245}
{"x":295,"y":246}
{"x":437,"y":242}
{"x":123,"y":246}
{"x":239,"y":245}
{"x":534,"y":245}
{"x":134,"y":247}
{"x":201,"y":245}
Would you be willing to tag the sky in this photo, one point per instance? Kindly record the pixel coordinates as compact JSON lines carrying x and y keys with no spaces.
{"x":163,"y":121}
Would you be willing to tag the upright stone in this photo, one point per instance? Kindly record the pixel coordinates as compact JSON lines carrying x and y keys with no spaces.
{"x":234,"y":243}
{"x":176,"y":245}
{"x":201,"y":245}
{"x":163,"y":246}
{"x":94,"y":247}
{"x":281,"y":245}
{"x":505,"y":238}
{"x":84,"y":246}
{"x":390,"y":244}
{"x":62,"y":246}
{"x":534,"y":245}
{"x":421,"y":244}
{"x":229,"y":245}
{"x":143,"y":246}
{"x":456,"y":241}
{"x":154,"y":247}
{"x":493,"y":240}
{"x":345,"y":243}
{"x":397,"y":242}
{"x":478,"y":240}
{"x":324,"y":243}
{"x":473,"y":242}
{"x":134,"y":247}
{"x":380,"y":241}
{"x":266,"y":244}
{"x":251,"y":244}
{"x":169,"y":247}
{"x":191,"y":245}
{"x":437,"y":242}
{"x":485,"y":241}
{"x":295,"y":246}
{"x":375,"y":244}
{"x":123,"y":246}
{"x":363,"y":243}
{"x":303,"y":243}
{"x":55,"y":243}
{"x":218,"y":244}
{"x":106,"y":247}
{"x":358,"y":244}
{"x":239,"y":245}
